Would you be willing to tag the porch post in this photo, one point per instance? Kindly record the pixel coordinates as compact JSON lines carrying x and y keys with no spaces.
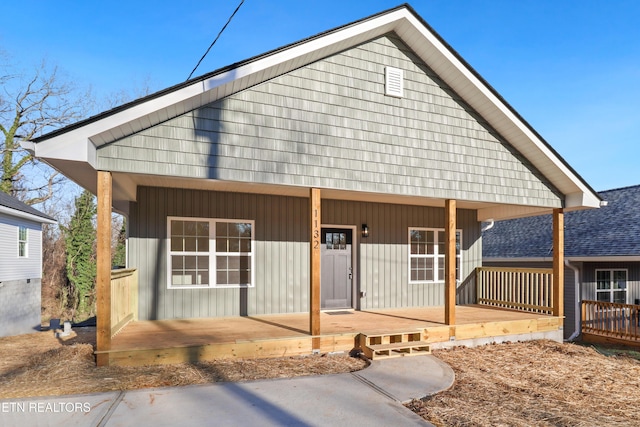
{"x":314,"y":289}
{"x":103,"y":272}
{"x":558,"y":263}
{"x":450,"y":262}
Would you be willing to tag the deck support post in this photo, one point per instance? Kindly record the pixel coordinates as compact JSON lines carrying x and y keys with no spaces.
{"x":314,"y":286}
{"x":450,"y":262}
{"x":558,"y":263}
{"x":103,"y":271}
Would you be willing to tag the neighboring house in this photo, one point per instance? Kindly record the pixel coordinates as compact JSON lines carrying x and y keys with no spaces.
{"x":20,"y":266}
{"x":602,"y":251}
{"x":350,"y":170}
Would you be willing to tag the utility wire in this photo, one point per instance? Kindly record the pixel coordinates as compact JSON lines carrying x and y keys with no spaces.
{"x":217,"y":37}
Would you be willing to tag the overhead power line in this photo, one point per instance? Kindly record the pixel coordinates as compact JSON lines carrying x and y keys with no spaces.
{"x":217,"y":37}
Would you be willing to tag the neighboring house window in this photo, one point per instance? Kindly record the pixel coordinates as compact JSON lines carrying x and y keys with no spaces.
{"x":22,"y":242}
{"x":426,"y":255}
{"x":611,"y":286}
{"x":206,"y":253}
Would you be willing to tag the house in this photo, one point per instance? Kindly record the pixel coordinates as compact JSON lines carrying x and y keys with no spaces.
{"x":350,"y":172}
{"x":602,"y":251}
{"x":20,"y":266}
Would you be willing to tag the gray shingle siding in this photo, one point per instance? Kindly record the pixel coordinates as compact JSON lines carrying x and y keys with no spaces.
{"x":329,"y":124}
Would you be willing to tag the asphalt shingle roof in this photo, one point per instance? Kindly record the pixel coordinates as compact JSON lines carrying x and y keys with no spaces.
{"x":15,"y":204}
{"x":612,"y":230}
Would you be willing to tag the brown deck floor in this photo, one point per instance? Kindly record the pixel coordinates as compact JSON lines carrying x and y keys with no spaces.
{"x":189,"y":332}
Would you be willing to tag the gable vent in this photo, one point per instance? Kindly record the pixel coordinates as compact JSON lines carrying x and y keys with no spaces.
{"x":394,"y":81}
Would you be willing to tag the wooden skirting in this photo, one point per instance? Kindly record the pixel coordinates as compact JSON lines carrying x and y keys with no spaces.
{"x":166,"y":342}
{"x":601,"y":339}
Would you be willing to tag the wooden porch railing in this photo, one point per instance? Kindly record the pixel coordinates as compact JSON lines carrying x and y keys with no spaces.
{"x":613,"y":320}
{"x":524,"y":289}
{"x":124,"y":298}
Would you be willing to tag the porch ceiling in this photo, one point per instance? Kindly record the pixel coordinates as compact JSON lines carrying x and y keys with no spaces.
{"x":125,"y":188}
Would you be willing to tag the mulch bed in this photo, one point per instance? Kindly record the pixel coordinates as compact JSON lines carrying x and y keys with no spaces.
{"x":538,"y":383}
{"x":39,"y":364}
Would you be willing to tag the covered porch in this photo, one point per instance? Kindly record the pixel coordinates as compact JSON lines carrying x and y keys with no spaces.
{"x":121,"y":339}
{"x":495,"y":305}
{"x":195,"y":340}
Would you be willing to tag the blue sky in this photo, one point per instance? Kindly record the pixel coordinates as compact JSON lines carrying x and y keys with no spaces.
{"x":570,"y":68}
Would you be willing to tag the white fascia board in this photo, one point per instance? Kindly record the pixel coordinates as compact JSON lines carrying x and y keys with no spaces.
{"x":579,"y":200}
{"x":481,"y":98}
{"x":364,"y":31}
{"x":25,"y":215}
{"x":76,"y":145}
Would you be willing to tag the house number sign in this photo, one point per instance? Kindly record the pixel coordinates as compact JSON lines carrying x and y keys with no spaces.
{"x":316,"y":229}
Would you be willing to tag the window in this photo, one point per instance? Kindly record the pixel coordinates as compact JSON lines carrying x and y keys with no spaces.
{"x":426,"y":255}
{"x":207,"y":253}
{"x":611,"y":286}
{"x":22,"y":242}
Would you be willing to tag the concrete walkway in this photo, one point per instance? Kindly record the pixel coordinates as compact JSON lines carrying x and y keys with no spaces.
{"x":371,"y":397}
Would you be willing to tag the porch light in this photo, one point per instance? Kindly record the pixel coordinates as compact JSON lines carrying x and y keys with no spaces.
{"x":365,"y":231}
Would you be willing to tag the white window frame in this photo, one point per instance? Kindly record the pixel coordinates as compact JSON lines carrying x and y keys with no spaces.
{"x":436,"y":256}
{"x":25,"y":241}
{"x":611,"y":289}
{"x":212,"y":253}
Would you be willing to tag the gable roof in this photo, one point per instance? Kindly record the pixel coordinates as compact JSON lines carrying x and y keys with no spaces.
{"x":14,"y":207}
{"x":611,"y":231}
{"x":72,"y":149}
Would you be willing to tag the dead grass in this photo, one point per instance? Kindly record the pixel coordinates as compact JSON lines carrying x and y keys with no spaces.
{"x":539,"y":383}
{"x":38,"y":364}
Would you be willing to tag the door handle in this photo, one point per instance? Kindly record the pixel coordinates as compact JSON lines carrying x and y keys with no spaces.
{"x":350,"y":276}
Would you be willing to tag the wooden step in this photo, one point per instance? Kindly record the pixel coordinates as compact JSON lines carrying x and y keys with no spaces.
{"x":392,"y":344}
{"x":398,"y":349}
{"x":389,"y":338}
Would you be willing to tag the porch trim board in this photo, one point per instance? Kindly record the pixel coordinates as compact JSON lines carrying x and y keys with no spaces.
{"x":136,"y":345}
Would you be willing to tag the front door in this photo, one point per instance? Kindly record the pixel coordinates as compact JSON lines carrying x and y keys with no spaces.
{"x":336,"y":272}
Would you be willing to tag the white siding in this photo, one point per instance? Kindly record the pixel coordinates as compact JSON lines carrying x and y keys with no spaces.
{"x":11,"y":266}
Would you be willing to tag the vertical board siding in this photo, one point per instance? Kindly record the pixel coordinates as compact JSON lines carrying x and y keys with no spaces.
{"x":383,"y":262}
{"x":329,"y":124}
{"x":278,"y":238}
{"x":588,"y":290}
{"x":282,"y":252}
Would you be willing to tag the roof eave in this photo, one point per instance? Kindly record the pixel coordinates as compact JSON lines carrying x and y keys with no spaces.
{"x":80,"y":141}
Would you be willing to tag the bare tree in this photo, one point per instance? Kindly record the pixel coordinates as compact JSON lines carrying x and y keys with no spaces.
{"x":28,"y":108}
